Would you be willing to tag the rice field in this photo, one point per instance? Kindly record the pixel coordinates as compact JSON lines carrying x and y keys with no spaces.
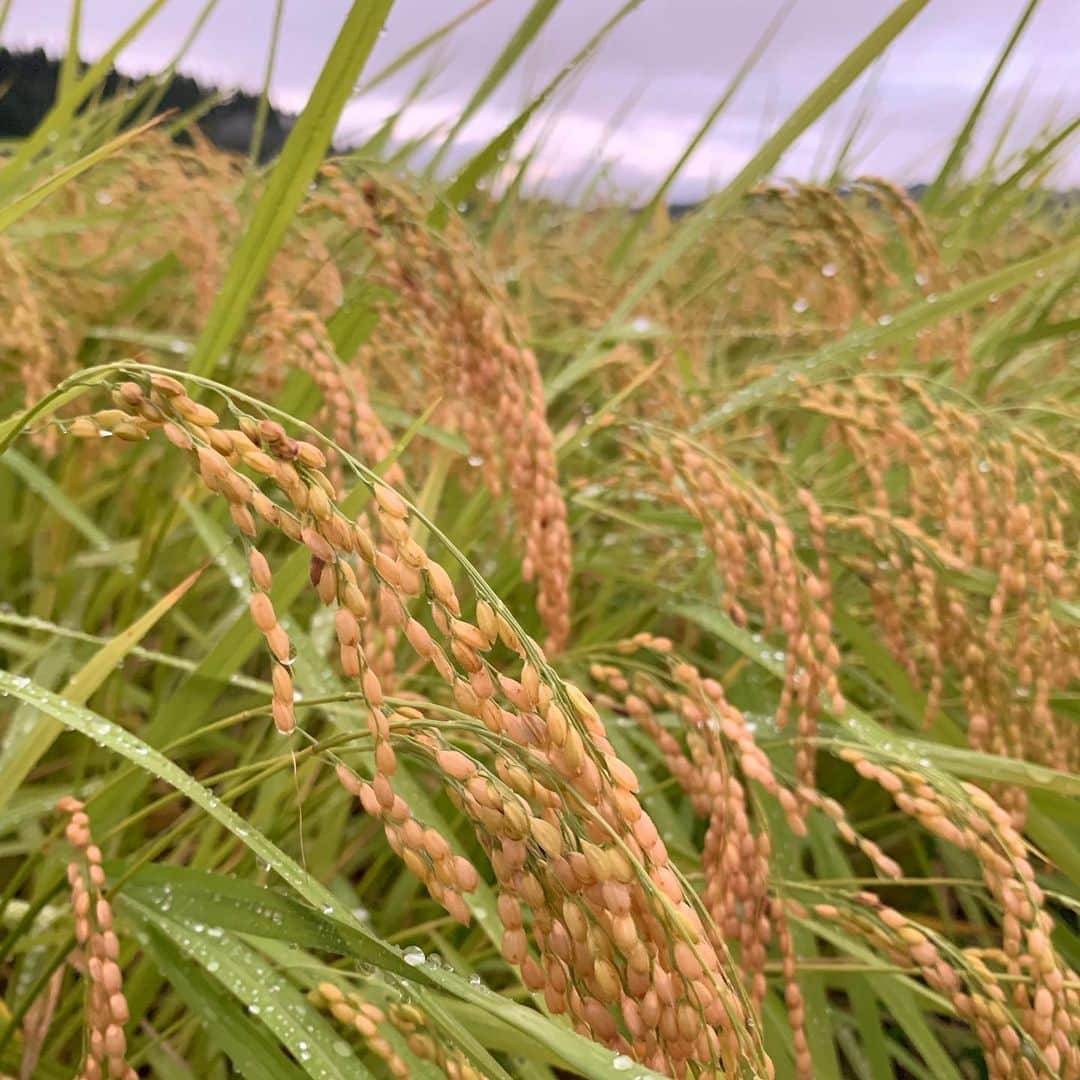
{"x":450,"y":633}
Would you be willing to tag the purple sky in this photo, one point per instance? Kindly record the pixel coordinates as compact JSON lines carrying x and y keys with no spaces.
{"x":665,"y":64}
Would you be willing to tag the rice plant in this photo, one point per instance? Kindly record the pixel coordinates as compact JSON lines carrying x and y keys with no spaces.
{"x":446,"y":633}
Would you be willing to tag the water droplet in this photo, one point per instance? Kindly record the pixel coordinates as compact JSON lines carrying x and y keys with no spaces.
{"x":476,"y":460}
{"x":342,"y":1048}
{"x":885,"y":320}
{"x":801,"y":304}
{"x":828,"y":270}
{"x":622,"y":1063}
{"x":413,"y":956}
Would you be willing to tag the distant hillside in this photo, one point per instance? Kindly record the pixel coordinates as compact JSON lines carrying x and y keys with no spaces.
{"x":28,"y":83}
{"x":28,"y":89}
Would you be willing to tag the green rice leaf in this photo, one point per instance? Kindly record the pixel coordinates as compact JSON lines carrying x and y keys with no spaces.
{"x":766,"y":159}
{"x":289,"y":180}
{"x":25,"y":746}
{"x":520,"y":40}
{"x":225,"y":985}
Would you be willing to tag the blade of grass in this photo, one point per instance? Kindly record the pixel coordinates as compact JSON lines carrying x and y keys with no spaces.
{"x":25,"y":748}
{"x":58,"y":121}
{"x":30,"y":622}
{"x":266,"y":994}
{"x":767,"y":157}
{"x":419,"y":48}
{"x":643,"y":216}
{"x":69,"y":63}
{"x":52,"y":493}
{"x":831,"y":861}
{"x":962,"y":143}
{"x":289,"y":180}
{"x":158,"y":85}
{"x":200,"y":899}
{"x":855,"y":129}
{"x":492,"y":155}
{"x":250,"y":1047}
{"x":1050,"y":826}
{"x":520,"y":40}
{"x":787,"y":850}
{"x":899,"y":998}
{"x":262,"y":110}
{"x":34,"y":196}
{"x":1000,"y":193}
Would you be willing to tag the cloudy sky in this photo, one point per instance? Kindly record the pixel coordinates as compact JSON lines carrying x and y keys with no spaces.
{"x":658,"y":73}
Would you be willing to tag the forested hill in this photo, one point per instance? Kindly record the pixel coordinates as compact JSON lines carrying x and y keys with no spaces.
{"x":28,"y":83}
